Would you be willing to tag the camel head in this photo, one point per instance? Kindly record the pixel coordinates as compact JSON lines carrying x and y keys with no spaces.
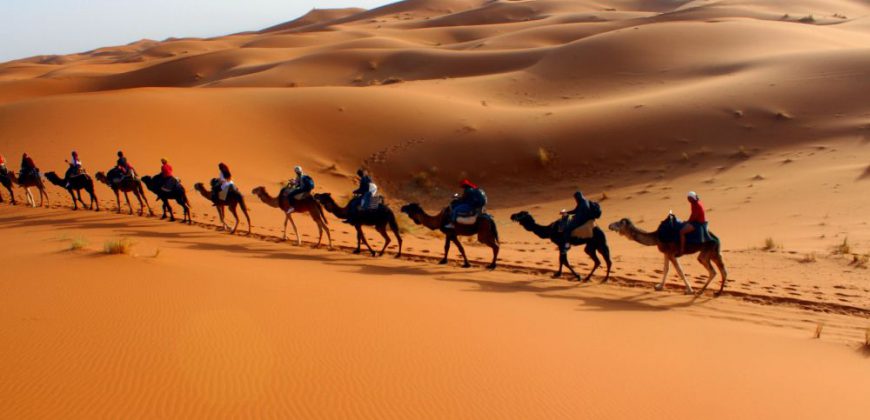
{"x":521,"y":216}
{"x":259,"y":191}
{"x":100,"y":176}
{"x":199,"y":186}
{"x":325,"y":199}
{"x":622,"y":226}
{"x":413,"y":210}
{"x":52,"y":176}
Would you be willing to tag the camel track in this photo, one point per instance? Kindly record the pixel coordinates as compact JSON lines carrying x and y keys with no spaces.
{"x":616,"y":280}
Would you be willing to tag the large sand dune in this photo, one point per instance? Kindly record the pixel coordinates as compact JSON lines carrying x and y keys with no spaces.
{"x":760,"y":106}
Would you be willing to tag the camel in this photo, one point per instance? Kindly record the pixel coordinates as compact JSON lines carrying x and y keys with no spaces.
{"x":234,"y":199}
{"x":379,"y":218}
{"x":74,"y":186}
{"x":709,"y":251}
{"x":178,"y":193}
{"x":31,"y":181}
{"x":127,"y":185}
{"x":597,"y":243}
{"x":306,"y":205}
{"x":6,"y":181}
{"x":485,"y":229}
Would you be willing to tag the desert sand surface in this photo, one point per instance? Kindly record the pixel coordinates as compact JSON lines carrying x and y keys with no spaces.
{"x":196,"y":323}
{"x":759,"y":106}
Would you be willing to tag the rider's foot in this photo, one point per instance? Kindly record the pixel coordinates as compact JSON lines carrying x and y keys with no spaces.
{"x":449,"y":226}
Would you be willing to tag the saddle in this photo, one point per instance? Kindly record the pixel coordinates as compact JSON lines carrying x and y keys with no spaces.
{"x":669,"y":232}
{"x":374,"y":203}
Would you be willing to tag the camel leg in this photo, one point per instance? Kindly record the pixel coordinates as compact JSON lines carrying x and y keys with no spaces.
{"x":320,"y":220}
{"x":29,"y":197}
{"x":166,"y":207}
{"x":235,"y":216}
{"x":79,"y":195}
{"x":94,"y":203}
{"x":140,"y":194}
{"x":446,"y":250}
{"x":319,"y":229}
{"x":489,"y":240}
{"x":361,"y":237}
{"x":382,"y":229}
{"x":679,"y":269}
{"x":704,"y":259}
{"x":590,"y":251}
{"x":129,"y":205}
{"x":564,"y":256}
{"x":604,"y":250}
{"x":295,"y":230}
{"x":118,"y":199}
{"x":461,"y":248}
{"x":73,"y":196}
{"x":561,"y":263}
{"x":220,"y":212}
{"x":661,"y":285}
{"x":42,"y":194}
{"x":720,"y":263}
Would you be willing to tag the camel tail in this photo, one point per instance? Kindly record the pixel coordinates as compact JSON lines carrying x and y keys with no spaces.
{"x":394,"y":225}
{"x":322,"y":213}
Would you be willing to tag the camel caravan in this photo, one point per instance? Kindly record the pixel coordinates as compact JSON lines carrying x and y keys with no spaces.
{"x":464,"y":215}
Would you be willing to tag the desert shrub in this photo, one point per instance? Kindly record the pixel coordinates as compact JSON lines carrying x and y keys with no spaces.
{"x":123,"y":246}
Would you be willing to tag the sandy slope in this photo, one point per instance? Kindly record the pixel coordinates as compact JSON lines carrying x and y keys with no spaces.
{"x":221,"y":326}
{"x":755,"y":105}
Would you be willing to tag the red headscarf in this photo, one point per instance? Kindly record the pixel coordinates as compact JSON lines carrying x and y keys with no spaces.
{"x":467,"y":183}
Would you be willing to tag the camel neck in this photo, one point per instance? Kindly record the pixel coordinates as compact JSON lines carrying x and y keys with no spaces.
{"x":642,"y":237}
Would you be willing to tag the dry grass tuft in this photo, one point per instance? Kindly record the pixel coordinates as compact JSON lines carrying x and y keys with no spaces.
{"x":860,"y":261}
{"x":123,"y":246}
{"x":770,"y":245}
{"x":545,"y":157}
{"x":807,"y":19}
{"x":867,"y":339}
{"x":78,"y":243}
{"x":819,"y":328}
{"x":843,"y":248}
{"x":808,"y":258}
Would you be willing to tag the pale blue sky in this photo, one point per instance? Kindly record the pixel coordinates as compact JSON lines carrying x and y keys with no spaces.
{"x":35,"y":27}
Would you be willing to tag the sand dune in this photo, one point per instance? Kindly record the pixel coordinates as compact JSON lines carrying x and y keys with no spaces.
{"x":760,"y":106}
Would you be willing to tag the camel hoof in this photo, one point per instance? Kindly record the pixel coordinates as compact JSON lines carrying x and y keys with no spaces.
{"x":442,"y":262}
{"x":398,"y":256}
{"x":717,"y":294}
{"x":556,"y":276}
{"x":356,"y":251}
{"x":466,"y":265}
{"x":490,"y":267}
{"x":689,"y":292}
{"x":659,"y":287}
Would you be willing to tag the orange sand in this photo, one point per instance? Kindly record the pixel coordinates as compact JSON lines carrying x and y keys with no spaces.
{"x":755,"y":105}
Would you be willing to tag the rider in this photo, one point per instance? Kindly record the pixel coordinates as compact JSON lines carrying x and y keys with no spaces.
{"x":27,"y":166}
{"x":362,"y":195}
{"x":298,"y":188}
{"x":697,"y":220}
{"x":3,"y":169}
{"x":471,"y":202}
{"x":583,"y":216}
{"x":226,"y":180}
{"x":169,"y":180}
{"x":75,"y":167}
{"x":124,"y":166}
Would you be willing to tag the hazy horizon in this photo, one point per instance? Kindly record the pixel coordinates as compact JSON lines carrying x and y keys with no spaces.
{"x":46,"y":27}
